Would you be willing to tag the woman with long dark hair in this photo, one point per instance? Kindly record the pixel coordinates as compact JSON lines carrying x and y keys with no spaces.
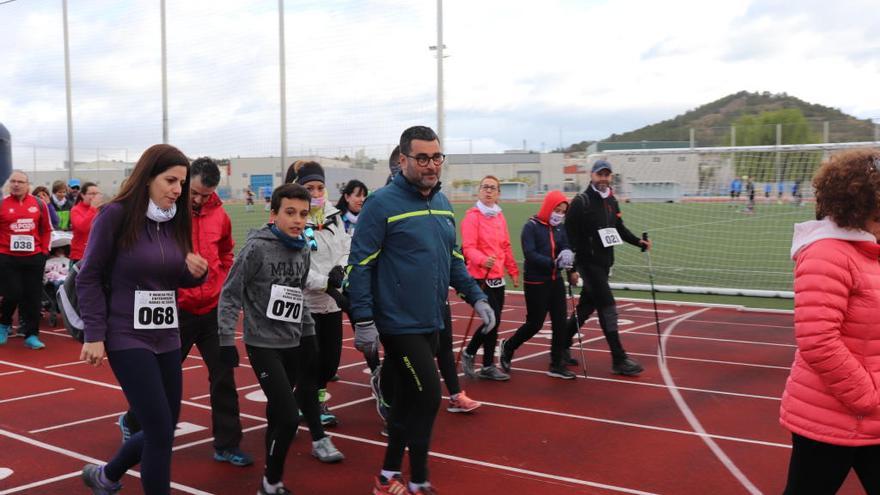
{"x":350,"y":203}
{"x":139,"y":253}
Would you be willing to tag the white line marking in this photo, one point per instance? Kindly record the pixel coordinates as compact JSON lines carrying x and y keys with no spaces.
{"x":692,"y":419}
{"x":64,"y":364}
{"x":74,"y":423}
{"x":41,"y":394}
{"x":42,"y":482}
{"x":5,"y":473}
{"x":12,"y":372}
{"x":651,"y":310}
{"x":714,"y":339}
{"x":191,"y":367}
{"x":239,"y":389}
{"x":81,"y":457}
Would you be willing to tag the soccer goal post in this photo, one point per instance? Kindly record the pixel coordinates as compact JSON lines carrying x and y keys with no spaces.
{"x":721,"y":219}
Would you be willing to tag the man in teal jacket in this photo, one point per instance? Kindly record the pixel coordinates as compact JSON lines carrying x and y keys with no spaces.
{"x":403,"y":259}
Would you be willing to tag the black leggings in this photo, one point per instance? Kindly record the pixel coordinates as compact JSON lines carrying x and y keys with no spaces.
{"x":488,"y":340}
{"x":409,"y":362}
{"x":152,"y":383}
{"x":818,"y":468}
{"x":279,"y":371}
{"x":328,"y":329}
{"x":596,"y":296}
{"x":542,"y":298}
{"x":22,"y":287}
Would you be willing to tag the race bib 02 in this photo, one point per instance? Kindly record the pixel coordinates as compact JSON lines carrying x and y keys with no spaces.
{"x":610,"y":237}
{"x":155,"y":309}
{"x":285,"y":304}
{"x":21,"y":243}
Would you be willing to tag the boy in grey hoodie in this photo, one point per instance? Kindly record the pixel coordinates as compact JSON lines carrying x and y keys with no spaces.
{"x":266,"y":282}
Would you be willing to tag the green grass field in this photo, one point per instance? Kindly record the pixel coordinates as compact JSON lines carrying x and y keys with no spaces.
{"x":695,"y":244}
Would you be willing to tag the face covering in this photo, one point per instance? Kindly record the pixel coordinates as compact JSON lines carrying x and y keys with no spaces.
{"x":159,"y":215}
{"x":556,"y":218}
{"x":316,"y":209}
{"x":317,"y":202}
{"x":288,"y":241}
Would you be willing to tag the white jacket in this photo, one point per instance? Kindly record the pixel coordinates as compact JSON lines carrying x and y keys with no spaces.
{"x":334,"y":245}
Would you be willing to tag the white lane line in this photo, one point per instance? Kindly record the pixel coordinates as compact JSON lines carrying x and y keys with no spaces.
{"x":746,"y":325}
{"x":195,"y":366}
{"x":501,"y":467}
{"x":74,"y":423}
{"x":44,"y":482}
{"x":651,"y":310}
{"x":715,"y":339}
{"x":692,"y":418}
{"x":238,"y":389}
{"x":12,"y":372}
{"x":81,"y":457}
{"x":41,"y":394}
{"x":64,"y":364}
{"x":660,"y":385}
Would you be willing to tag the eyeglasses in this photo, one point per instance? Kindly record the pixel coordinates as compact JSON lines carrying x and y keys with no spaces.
{"x":422,"y":159}
{"x":310,"y":236}
{"x":489,"y":187}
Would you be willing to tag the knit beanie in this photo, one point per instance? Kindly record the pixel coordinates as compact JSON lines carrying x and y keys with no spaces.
{"x":308,"y":172}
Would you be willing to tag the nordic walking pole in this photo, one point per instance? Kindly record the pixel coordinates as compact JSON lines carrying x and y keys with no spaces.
{"x":653,"y":297}
{"x":577,"y":329}
{"x":467,"y":331}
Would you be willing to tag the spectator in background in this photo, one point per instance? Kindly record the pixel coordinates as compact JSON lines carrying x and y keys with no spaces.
{"x":831,"y":402}
{"x":393,"y":164}
{"x":81,"y":217}
{"x":768,"y":190}
{"x":62,"y":204}
{"x":780,"y":190}
{"x":267,"y":196}
{"x":43,"y":193}
{"x":735,"y":190}
{"x":350,"y":203}
{"x":25,"y":233}
{"x":248,"y":199}
{"x":73,"y":186}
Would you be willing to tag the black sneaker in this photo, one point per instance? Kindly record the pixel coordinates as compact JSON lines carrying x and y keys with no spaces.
{"x":561,"y":372}
{"x":504,"y":358}
{"x":626,"y":367}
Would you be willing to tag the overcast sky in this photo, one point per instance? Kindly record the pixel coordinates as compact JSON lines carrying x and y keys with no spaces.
{"x":359,"y":71}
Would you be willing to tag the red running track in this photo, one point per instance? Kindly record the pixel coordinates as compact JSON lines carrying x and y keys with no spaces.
{"x":704,"y":423}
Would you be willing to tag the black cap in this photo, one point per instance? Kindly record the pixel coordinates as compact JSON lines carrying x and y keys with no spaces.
{"x":601,"y":165}
{"x":308,"y":172}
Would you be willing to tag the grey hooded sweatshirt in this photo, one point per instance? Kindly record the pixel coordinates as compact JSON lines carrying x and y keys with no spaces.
{"x":265,"y":262}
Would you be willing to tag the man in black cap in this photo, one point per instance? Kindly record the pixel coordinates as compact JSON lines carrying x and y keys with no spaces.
{"x":594,"y":226}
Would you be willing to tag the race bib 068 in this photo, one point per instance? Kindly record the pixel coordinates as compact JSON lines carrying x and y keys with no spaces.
{"x":155,"y":309}
{"x":285,"y":304}
{"x":610,"y":237}
{"x":21,"y":243}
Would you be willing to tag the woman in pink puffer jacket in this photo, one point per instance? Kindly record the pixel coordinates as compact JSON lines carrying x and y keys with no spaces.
{"x":831,"y":402}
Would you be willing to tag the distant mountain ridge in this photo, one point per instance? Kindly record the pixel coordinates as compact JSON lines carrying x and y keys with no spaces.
{"x":713,"y":120}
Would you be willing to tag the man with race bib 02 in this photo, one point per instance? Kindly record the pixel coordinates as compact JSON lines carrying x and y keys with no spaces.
{"x":594,"y":226}
{"x":267,"y":281}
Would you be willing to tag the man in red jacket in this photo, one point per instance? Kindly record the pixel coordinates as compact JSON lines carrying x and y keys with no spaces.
{"x":25,"y":231}
{"x":212,"y":239}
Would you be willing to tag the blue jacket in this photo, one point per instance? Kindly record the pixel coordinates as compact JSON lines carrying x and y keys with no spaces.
{"x":404,"y":258}
{"x":541,"y":244}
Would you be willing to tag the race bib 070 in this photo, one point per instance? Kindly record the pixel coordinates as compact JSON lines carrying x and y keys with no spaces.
{"x":155,"y":309}
{"x":285,"y":304}
{"x":610,"y":237}
{"x":21,"y":243}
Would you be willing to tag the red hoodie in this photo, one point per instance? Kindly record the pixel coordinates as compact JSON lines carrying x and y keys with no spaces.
{"x":25,"y":223}
{"x":81,"y":218}
{"x":212,"y":239}
{"x":483,"y":236}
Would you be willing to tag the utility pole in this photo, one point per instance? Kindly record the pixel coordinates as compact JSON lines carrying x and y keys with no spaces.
{"x":67,"y":91}
{"x":283,"y":72}
{"x":164,"y":75}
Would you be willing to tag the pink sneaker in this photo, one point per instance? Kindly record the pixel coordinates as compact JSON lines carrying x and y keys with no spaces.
{"x":461,"y":403}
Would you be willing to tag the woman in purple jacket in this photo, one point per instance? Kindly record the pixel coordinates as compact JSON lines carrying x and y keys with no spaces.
{"x":139,"y":253}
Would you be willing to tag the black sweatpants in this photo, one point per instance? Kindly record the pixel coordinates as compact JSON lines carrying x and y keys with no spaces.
{"x":328,"y":330}
{"x":596,"y":296}
{"x":152,"y":384}
{"x":409,"y":362}
{"x":279,"y":371}
{"x":488,"y":340}
{"x":818,"y":468}
{"x":446,"y":355}
{"x":201,"y":331}
{"x":22,"y":288}
{"x":542,"y":298}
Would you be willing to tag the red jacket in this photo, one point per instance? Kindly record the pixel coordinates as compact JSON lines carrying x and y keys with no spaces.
{"x":23,"y":219}
{"x":81,"y":218}
{"x":483,"y":236}
{"x":833,"y":392}
{"x":212,"y":239}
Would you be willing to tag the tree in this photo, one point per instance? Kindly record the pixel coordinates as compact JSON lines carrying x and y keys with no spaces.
{"x":760,"y":130}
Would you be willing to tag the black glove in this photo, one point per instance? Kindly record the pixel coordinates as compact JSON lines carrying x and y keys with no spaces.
{"x":229,"y":356}
{"x":335,"y":277}
{"x":339,"y":298}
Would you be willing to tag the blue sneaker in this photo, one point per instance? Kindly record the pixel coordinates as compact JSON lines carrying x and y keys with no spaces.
{"x":233,"y":456}
{"x":34,"y":343}
{"x":327,"y":418}
{"x":4,"y":334}
{"x":123,"y":427}
{"x":91,"y":476}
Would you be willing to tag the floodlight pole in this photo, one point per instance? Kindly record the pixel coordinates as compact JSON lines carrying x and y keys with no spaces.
{"x":67,"y":91}
{"x":164,"y":75}
{"x":283,"y":72}
{"x":441,"y":117}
